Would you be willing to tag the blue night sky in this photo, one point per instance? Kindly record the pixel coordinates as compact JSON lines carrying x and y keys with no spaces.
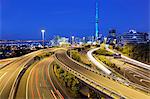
{"x":23,"y":19}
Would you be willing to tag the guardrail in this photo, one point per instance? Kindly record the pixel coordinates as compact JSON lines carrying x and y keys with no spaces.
{"x":99,"y":87}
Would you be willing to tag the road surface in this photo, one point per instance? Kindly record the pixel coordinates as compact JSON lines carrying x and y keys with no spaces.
{"x":39,"y":84}
{"x":9,"y":73}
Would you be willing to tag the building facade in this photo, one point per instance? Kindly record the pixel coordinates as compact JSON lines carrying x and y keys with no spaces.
{"x":135,"y":37}
{"x":111,"y":36}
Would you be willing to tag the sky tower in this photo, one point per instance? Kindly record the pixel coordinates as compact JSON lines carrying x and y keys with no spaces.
{"x":97,"y":21}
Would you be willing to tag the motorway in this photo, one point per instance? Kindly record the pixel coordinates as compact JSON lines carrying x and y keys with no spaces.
{"x":135,"y":71}
{"x":139,"y":76}
{"x":131,"y":72}
{"x":5,"y":62}
{"x":37,"y":81}
{"x":134,"y":62}
{"x":128,"y":92}
{"x":9,"y":73}
{"x":11,"y":69}
{"x":39,"y":84}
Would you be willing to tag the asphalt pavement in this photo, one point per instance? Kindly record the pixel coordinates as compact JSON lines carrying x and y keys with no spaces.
{"x":9,"y":73}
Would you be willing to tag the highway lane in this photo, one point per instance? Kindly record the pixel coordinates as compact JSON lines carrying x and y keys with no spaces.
{"x":139,"y":71}
{"x":22,"y":91}
{"x":122,"y":63}
{"x":10,"y":72}
{"x":39,"y":85}
{"x":2,"y":63}
{"x":8,"y":79}
{"x":136,"y":80}
{"x":9,"y":66}
{"x":131,"y":72}
{"x":136,"y":75}
{"x":108,"y":83}
{"x":25,"y":77}
{"x":63,"y":90}
{"x":5,"y":62}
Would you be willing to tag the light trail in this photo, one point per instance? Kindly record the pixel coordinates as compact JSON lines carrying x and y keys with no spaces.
{"x":94,"y":61}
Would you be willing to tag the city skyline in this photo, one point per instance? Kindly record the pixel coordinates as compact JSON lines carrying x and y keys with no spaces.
{"x":74,"y":49}
{"x":24,"y":19}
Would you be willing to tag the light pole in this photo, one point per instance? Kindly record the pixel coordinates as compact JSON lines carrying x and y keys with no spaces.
{"x":43,"y":31}
{"x":125,"y":72}
{"x":72,"y":38}
{"x":105,"y":40}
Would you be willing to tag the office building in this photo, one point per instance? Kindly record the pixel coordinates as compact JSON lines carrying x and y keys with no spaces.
{"x":135,"y":37}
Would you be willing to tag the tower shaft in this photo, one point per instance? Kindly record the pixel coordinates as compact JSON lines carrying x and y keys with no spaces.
{"x":97,"y":21}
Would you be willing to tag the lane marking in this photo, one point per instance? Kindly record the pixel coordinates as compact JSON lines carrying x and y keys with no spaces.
{"x":10,"y":77}
{"x":43,"y":96}
{"x":48,"y":74}
{"x":53,"y":94}
{"x":37,"y":79}
{"x":29,"y":76}
{"x":9,"y":80}
{"x":32,"y":92}
{"x":44,"y":81}
{"x":27,"y":84}
{"x":3,"y":75}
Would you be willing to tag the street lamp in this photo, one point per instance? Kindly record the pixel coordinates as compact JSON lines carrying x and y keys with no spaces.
{"x":105,"y":40}
{"x":83,"y":40}
{"x":43,"y":31}
{"x":72,"y":39}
